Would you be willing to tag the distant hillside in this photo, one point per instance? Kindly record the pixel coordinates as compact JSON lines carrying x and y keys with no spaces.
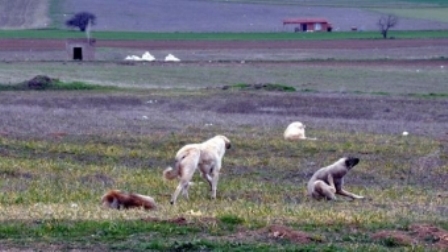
{"x":234,"y":16}
{"x":24,"y":14}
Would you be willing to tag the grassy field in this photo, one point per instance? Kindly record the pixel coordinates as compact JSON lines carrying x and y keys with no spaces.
{"x":51,"y":187}
{"x":386,"y":79}
{"x":52,"y":177}
{"x":62,"y":149}
{"x":437,"y":14}
{"x":350,"y":3}
{"x":106,"y":35}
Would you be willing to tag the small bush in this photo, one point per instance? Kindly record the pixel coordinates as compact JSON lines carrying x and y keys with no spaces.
{"x":42,"y":83}
{"x":265,"y":86}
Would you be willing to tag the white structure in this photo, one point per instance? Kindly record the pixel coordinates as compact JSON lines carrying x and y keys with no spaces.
{"x":172,"y":58}
{"x":148,"y":57}
{"x":133,"y":57}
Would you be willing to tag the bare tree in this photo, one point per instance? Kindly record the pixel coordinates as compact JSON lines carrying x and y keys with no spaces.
{"x":386,"y":22}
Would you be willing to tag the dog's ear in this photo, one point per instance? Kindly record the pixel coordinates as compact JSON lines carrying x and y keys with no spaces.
{"x":350,"y":162}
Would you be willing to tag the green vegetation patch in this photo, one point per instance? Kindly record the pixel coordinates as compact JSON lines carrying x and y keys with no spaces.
{"x":42,"y":83}
{"x":219,"y":36}
{"x":435,"y":14}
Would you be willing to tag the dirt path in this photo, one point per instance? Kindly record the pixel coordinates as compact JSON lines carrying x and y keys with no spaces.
{"x":51,"y":44}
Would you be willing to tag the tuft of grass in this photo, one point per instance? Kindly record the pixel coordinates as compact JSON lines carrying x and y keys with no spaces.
{"x":231,"y":219}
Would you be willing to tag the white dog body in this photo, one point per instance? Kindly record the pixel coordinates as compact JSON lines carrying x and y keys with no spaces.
{"x":206,"y":156}
{"x":296,"y":131}
{"x":328,"y":181}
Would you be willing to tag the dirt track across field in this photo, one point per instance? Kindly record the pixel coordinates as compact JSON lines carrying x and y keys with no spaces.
{"x":49,"y":45}
{"x":413,"y":52}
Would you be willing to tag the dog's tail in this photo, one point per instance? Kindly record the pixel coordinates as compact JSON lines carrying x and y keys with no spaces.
{"x":170,"y":173}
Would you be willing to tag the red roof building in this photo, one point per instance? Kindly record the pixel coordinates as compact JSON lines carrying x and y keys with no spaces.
{"x":309,"y":24}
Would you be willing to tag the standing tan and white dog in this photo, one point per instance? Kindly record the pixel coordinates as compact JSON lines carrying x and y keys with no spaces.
{"x":207,"y":156}
{"x":117,"y":199}
{"x":328,"y":181}
{"x":296,"y":131}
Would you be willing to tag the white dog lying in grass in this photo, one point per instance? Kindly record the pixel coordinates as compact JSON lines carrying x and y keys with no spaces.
{"x":296,"y":131}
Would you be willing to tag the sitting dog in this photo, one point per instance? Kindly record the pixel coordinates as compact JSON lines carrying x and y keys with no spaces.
{"x":207,"y":156}
{"x":328,"y":181}
{"x":296,"y":131}
{"x":117,"y":199}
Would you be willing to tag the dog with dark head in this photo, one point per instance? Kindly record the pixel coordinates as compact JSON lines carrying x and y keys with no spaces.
{"x":328,"y":181}
{"x":206,"y":156}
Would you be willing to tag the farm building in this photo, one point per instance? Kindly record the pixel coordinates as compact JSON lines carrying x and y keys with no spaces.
{"x":80,"y":49}
{"x":309,"y":24}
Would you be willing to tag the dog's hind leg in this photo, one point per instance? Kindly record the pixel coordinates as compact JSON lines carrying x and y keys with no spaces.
{"x":185,"y":190}
{"x":322,"y":189}
{"x":183,"y":186}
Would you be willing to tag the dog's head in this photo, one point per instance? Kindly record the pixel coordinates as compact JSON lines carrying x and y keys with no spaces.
{"x":350,"y":162}
{"x":226,"y":141}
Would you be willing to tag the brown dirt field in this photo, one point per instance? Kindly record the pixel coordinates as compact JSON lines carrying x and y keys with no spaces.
{"x":408,"y":52}
{"x":49,"y":45}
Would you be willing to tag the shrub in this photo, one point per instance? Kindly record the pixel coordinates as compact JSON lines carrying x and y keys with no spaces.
{"x":81,"y":20}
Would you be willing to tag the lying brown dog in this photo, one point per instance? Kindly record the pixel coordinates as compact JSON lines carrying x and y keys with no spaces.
{"x":117,"y":199}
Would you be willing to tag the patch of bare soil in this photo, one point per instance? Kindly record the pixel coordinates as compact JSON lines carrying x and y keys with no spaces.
{"x":283,"y":232}
{"x":393,"y":238}
{"x":271,"y":233}
{"x":430,"y":234}
{"x":418,"y":233}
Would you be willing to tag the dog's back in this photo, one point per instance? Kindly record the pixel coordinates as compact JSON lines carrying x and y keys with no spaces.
{"x":186,"y":161}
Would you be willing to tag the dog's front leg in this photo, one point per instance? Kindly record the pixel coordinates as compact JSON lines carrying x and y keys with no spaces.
{"x":349,"y":194}
{"x":207,"y":178}
{"x":215,"y":178}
